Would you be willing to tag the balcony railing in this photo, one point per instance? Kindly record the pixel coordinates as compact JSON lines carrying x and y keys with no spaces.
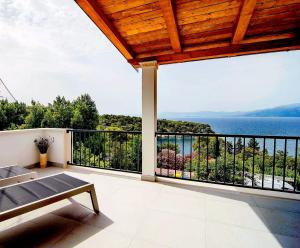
{"x":114,"y":150}
{"x":263,"y":162}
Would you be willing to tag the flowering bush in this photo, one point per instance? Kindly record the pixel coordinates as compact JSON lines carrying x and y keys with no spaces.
{"x":166,"y":159}
{"x":43,"y":144}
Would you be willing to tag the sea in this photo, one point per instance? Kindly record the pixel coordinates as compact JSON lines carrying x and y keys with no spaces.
{"x":282,"y":126}
{"x":269,"y":126}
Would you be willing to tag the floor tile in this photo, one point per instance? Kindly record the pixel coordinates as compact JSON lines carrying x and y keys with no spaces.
{"x":282,"y":222}
{"x":172,"y":230}
{"x":223,"y":235}
{"x":140,"y":243}
{"x":233,"y":214}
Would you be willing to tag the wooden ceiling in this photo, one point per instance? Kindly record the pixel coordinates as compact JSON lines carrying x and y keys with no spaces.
{"x":172,"y":31}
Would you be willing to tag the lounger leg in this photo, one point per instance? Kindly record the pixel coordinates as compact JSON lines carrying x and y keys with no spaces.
{"x":94,"y":200}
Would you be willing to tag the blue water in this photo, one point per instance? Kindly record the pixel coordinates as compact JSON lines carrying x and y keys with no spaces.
{"x":287,"y":126}
{"x":277,"y":126}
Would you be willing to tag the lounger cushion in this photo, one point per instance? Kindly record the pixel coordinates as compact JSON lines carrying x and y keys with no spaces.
{"x":18,"y":195}
{"x":12,"y":171}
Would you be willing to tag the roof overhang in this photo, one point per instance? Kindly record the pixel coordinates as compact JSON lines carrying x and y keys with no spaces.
{"x":187,"y":30}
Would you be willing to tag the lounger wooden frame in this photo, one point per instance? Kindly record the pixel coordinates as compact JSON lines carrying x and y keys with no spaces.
{"x":89,"y":188}
{"x":18,"y":178}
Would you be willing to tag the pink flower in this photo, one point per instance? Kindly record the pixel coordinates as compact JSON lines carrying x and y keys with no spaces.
{"x":168,"y":159}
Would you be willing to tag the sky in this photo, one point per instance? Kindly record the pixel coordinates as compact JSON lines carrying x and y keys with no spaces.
{"x":50,"y":48}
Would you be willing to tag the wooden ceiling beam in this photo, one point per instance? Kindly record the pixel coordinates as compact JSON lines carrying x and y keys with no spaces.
{"x":92,"y":9}
{"x":169,"y":16}
{"x":222,"y":52}
{"x":245,"y":15}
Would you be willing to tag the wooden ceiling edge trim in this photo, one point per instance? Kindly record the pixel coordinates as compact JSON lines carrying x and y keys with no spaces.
{"x":93,"y":11}
{"x":169,"y":16}
{"x":231,"y":51}
{"x":283,"y":49}
{"x":219,"y":44}
{"x":243,"y":21}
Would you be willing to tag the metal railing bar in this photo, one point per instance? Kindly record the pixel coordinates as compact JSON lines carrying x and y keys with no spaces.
{"x":295,"y":165}
{"x":274,"y":160}
{"x":228,"y":135}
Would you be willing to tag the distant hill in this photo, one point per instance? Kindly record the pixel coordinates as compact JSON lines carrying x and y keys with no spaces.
{"x":131,"y":123}
{"x":291,"y":110}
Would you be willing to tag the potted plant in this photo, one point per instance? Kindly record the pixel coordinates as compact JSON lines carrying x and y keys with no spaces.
{"x":43,"y":145}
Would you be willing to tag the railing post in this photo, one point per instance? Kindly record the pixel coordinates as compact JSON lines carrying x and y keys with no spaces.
{"x":149,"y":119}
{"x":67,"y":148}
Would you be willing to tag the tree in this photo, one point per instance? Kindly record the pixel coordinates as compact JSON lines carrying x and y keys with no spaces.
{"x":12,"y":115}
{"x":229,"y":147}
{"x":131,"y":123}
{"x":239,"y":146}
{"x":36,"y":113}
{"x":182,"y":126}
{"x":58,"y":114}
{"x":85,"y":113}
{"x":253,"y":144}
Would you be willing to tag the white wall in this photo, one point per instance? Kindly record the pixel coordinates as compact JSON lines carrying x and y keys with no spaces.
{"x":60,"y":151}
{"x":17,"y":147}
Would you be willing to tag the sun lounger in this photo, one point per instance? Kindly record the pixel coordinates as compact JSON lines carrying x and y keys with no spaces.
{"x":14,"y":174}
{"x":24,"y":197}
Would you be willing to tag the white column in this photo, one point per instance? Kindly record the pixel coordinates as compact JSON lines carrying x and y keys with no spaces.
{"x":149,"y":119}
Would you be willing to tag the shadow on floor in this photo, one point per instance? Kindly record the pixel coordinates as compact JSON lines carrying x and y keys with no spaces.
{"x":280,"y":216}
{"x":48,"y":229}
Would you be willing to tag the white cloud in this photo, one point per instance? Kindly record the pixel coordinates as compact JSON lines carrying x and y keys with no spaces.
{"x":51,"y":47}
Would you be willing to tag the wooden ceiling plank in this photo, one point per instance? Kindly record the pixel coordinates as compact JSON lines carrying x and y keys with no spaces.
{"x":245,"y":15}
{"x":268,"y":30}
{"x":283,"y":18}
{"x":207,"y":34}
{"x":153,"y":54}
{"x":119,"y":6}
{"x":92,"y":9}
{"x":181,"y":13}
{"x":147,"y":37}
{"x":213,"y":38}
{"x":207,"y":46}
{"x":194,"y":5}
{"x":276,"y":3}
{"x":138,"y":18}
{"x":276,"y":10}
{"x":143,"y":9}
{"x":151,"y":24}
{"x":168,"y":13}
{"x":213,"y":24}
{"x":207,"y":17}
{"x":157,"y":47}
{"x":268,"y":38}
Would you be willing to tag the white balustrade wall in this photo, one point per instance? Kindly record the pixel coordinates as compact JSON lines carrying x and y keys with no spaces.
{"x":17,"y":146}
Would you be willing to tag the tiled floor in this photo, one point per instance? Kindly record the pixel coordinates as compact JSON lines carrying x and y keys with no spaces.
{"x":140,"y":214}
